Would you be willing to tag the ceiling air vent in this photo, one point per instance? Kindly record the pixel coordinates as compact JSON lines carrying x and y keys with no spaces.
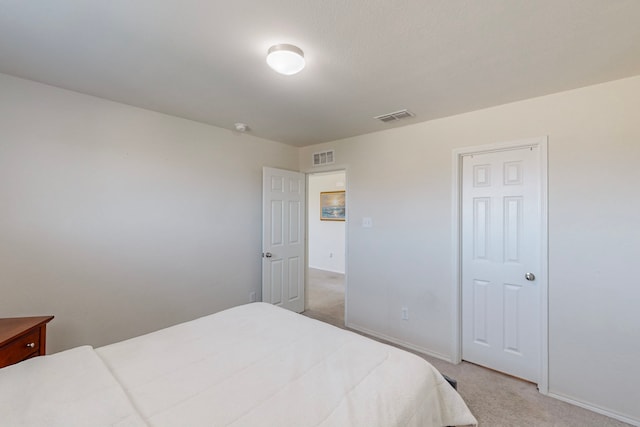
{"x":396,"y":115}
{"x":323,"y":158}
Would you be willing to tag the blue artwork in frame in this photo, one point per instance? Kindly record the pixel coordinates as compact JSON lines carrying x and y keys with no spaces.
{"x":332,"y":206}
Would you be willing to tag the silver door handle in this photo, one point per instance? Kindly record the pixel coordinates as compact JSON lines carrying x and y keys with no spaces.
{"x":530,"y":277}
{"x":268,"y":255}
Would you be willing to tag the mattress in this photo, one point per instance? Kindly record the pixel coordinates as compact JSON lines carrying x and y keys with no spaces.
{"x":252,"y":365}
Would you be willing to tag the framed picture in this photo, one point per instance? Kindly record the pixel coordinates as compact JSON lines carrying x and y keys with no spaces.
{"x":332,"y":207}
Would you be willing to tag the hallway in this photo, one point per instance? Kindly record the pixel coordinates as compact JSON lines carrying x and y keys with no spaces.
{"x":326,"y":296}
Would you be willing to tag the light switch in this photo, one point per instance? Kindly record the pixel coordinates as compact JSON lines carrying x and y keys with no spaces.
{"x":367,"y":222}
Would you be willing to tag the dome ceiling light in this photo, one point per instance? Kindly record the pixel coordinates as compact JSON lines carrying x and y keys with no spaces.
{"x":285,"y":59}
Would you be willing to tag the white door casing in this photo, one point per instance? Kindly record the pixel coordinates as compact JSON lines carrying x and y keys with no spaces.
{"x":283,"y":238}
{"x":501,"y":238}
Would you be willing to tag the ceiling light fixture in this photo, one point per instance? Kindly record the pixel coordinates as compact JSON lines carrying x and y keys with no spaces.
{"x":286,"y":59}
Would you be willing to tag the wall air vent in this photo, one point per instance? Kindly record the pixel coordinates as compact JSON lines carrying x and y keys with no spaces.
{"x":323,"y":158}
{"x":396,"y":115}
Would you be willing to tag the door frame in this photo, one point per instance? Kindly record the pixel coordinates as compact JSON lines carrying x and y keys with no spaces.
{"x":458,"y":154}
{"x":312,"y":171}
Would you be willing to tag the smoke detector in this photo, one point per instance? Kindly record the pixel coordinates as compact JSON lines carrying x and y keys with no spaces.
{"x":241,"y":127}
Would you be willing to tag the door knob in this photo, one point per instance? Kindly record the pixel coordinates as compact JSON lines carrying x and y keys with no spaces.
{"x":530,"y":277}
{"x":268,"y":255}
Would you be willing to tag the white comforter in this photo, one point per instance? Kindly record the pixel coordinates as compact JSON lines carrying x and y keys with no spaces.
{"x":253,"y":365}
{"x":69,"y":389}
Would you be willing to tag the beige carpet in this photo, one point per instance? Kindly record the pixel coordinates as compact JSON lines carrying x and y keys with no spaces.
{"x":495,"y":399}
{"x":325,"y":295}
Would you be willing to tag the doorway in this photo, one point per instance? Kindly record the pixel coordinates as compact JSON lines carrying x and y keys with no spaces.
{"x":501,"y":258}
{"x":326,"y":242}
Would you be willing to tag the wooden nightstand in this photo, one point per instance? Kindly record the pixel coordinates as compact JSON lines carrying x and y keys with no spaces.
{"x":22,"y":338}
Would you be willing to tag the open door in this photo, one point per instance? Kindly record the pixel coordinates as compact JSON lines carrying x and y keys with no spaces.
{"x":283,"y":234}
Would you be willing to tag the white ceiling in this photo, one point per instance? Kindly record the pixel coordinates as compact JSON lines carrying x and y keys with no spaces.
{"x":205,"y":59}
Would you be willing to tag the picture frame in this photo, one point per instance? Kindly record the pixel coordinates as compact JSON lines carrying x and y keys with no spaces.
{"x":332,"y":206}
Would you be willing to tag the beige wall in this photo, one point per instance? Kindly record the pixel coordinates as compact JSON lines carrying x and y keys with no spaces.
{"x":402,"y":178}
{"x":119,"y":220}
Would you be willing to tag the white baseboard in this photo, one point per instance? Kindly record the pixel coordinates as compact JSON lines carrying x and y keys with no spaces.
{"x":398,"y":342}
{"x":326,"y":269}
{"x":573,"y":401}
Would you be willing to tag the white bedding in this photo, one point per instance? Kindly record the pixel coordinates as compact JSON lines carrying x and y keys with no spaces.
{"x":253,"y":365}
{"x":259,"y":365}
{"x":69,"y":389}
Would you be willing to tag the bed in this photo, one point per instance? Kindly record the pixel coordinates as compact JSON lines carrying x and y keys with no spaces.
{"x":252,"y":365}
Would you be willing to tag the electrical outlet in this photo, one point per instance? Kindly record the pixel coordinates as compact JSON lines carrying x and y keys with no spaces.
{"x":405,"y":313}
{"x":252,"y":297}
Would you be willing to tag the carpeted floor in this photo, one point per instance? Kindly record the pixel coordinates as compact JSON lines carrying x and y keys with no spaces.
{"x":495,"y":399}
{"x":325,"y":295}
